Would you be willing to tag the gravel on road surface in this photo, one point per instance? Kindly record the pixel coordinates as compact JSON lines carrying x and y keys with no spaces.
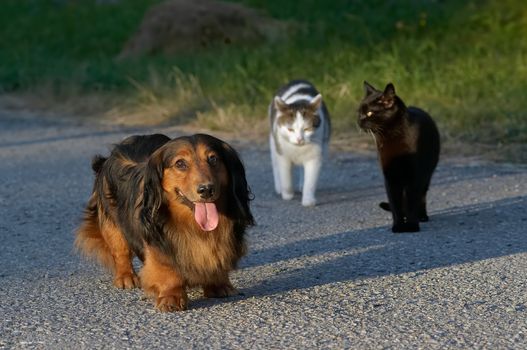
{"x":332,"y":276}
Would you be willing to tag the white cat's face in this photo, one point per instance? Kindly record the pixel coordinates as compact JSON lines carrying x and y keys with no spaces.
{"x":298,"y":121}
{"x":297,"y":131}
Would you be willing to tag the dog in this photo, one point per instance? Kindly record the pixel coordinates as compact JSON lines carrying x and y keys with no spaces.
{"x":181,"y":205}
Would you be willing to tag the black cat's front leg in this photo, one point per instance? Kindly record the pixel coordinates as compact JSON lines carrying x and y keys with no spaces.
{"x":412,"y":206}
{"x":394,"y":190}
{"x":423,"y":215}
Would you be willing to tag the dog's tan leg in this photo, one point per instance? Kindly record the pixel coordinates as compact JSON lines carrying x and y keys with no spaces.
{"x":125,"y":276}
{"x":161,"y":280}
{"x":221,"y":288}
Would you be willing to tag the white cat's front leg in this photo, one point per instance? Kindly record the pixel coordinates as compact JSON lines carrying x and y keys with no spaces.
{"x":311,"y":172}
{"x":285,"y":167}
{"x":275,"y":165}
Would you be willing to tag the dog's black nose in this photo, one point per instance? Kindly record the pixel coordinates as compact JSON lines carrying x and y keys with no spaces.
{"x":206,"y":191}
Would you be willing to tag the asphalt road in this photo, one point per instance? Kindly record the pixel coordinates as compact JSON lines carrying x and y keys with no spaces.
{"x":333,"y":276}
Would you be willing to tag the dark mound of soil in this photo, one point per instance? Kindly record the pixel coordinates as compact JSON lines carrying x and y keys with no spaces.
{"x":178,"y":26}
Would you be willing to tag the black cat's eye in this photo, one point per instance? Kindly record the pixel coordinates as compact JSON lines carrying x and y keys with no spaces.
{"x":181,"y":164}
{"x":212,"y":160}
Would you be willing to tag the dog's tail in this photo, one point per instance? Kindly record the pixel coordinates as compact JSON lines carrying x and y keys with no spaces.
{"x":385,"y":206}
{"x":90,"y":240}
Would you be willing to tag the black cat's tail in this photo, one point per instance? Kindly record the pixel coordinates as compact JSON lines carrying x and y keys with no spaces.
{"x":385,"y":206}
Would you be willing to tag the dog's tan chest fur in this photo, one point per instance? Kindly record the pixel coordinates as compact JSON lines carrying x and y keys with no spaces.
{"x":204,"y":257}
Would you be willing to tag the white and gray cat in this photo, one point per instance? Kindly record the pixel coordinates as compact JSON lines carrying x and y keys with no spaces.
{"x":300,"y":132}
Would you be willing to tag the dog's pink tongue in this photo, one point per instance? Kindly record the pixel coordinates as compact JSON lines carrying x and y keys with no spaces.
{"x":206,"y":215}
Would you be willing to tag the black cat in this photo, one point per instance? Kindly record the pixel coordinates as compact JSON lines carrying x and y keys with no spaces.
{"x":408,"y":145}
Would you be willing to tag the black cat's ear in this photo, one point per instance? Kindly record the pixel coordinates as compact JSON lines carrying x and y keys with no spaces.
{"x":280,"y":104}
{"x":389,"y":91}
{"x":316,"y":102}
{"x":368,"y":89}
{"x":388,"y":96}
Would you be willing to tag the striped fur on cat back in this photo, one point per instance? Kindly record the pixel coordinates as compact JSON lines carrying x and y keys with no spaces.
{"x":300,"y":132}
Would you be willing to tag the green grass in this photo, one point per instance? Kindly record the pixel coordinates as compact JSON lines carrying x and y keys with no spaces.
{"x":464,"y":62}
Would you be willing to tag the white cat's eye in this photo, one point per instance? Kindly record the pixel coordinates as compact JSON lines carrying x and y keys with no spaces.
{"x":308,"y":129}
{"x":290,"y":129}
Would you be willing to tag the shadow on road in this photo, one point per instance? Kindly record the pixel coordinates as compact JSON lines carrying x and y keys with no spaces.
{"x":455,"y":236}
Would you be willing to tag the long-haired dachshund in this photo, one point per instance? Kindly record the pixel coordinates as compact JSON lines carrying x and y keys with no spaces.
{"x":180,"y":205}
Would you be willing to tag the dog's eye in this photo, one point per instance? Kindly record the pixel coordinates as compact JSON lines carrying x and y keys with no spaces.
{"x":181,"y":164}
{"x":212,"y":159}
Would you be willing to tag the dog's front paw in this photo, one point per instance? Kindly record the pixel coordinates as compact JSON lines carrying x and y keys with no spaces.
{"x":219,"y":291}
{"x":171,"y":303}
{"x":126,"y":281}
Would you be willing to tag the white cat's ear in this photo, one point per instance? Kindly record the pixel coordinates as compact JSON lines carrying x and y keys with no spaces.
{"x":279,"y":103}
{"x":316,"y":102}
{"x":368,"y":89}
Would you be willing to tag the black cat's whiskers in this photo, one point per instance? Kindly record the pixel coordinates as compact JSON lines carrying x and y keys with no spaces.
{"x":377,"y":134}
{"x":377,"y":130}
{"x":373,"y":136}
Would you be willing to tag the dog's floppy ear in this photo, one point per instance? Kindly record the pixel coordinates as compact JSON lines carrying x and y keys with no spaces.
{"x":240,"y":189}
{"x":153,"y":197}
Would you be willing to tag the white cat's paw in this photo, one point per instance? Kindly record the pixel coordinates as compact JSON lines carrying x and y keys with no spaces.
{"x":287,"y":195}
{"x":309,"y":202}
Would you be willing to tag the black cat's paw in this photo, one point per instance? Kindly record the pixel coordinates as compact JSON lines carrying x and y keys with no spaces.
{"x":385,"y":206}
{"x":405,"y":227}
